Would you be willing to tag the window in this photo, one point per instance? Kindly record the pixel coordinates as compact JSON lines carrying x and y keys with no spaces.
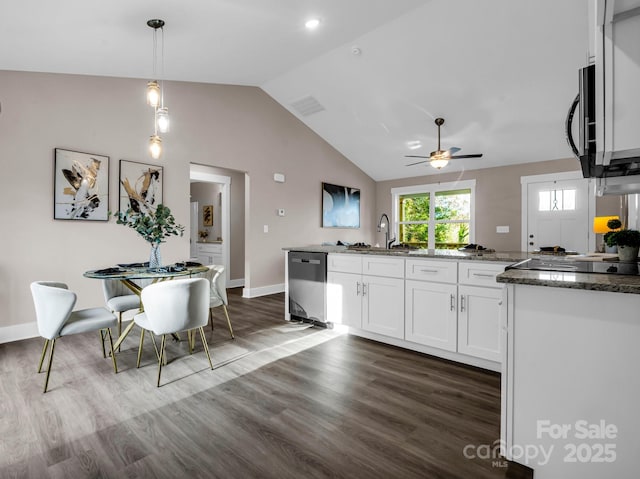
{"x":557,"y":200}
{"x":435,"y":216}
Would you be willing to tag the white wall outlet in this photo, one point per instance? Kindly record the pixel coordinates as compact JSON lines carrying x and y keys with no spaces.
{"x":502,"y":229}
{"x":266,"y":228}
{"x":278,"y":177}
{"x":280,"y":211}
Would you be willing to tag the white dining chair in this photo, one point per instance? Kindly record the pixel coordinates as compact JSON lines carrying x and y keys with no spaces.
{"x":119,"y":299}
{"x":172,"y":307}
{"x":218,"y":283}
{"x":55,"y":318}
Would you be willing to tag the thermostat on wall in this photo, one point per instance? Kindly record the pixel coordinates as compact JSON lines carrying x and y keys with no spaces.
{"x":278,"y":177}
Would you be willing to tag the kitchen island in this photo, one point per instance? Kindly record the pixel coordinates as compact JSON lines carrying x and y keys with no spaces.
{"x":570,"y":389}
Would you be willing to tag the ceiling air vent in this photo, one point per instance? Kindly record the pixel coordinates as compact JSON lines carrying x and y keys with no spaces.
{"x":307,"y":106}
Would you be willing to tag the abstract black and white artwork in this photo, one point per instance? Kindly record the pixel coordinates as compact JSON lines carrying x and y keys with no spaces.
{"x":81,"y":186}
{"x":140,"y":186}
{"x":340,"y":206}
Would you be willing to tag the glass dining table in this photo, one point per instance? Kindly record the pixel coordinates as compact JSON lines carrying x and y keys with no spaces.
{"x":128,"y":273}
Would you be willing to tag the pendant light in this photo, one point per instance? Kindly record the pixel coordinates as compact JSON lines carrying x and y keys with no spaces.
{"x":155,"y":93}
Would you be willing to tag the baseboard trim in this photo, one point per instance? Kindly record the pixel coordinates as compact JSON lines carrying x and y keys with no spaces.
{"x":17,"y":332}
{"x":263,"y":291}
{"x":235,"y":283}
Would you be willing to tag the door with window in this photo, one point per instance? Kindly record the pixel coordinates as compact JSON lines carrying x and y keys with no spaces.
{"x":558,"y":215}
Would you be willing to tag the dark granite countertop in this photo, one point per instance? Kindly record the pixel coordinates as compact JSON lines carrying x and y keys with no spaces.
{"x":500,"y":256}
{"x":558,"y":279}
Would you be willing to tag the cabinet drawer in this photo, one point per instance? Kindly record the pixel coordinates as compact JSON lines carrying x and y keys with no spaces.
{"x":209,"y":248}
{"x":344,"y":263}
{"x":480,"y":273}
{"x":383,"y":266}
{"x":432,"y":270}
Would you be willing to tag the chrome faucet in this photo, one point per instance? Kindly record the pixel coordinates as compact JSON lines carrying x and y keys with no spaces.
{"x":382,"y":224}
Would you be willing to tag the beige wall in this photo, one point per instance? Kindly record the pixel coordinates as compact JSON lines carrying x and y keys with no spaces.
{"x":234,"y":127}
{"x":498,"y":198}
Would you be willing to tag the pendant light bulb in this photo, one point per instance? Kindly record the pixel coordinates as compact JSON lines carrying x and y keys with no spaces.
{"x":153,"y":94}
{"x":155,"y":147}
{"x":162,"y":119}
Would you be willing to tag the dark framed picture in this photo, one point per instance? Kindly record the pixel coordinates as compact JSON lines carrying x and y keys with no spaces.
{"x":140,"y":186}
{"x":81,"y":186}
{"x":207,"y":215}
{"x":340,"y":206}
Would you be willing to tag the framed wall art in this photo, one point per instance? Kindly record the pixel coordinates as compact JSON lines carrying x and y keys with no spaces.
{"x":140,"y":186}
{"x":340,"y":206}
{"x":81,"y":186}
{"x":207,"y":215}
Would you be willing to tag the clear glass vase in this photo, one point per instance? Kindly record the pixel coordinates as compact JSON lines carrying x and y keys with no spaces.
{"x":155,"y":260}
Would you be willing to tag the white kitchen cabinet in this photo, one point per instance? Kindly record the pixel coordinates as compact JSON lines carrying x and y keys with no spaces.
{"x":480,"y":317}
{"x":482,"y":310}
{"x":210,"y":253}
{"x":373,"y":302}
{"x":430,"y":314}
{"x":344,"y":300}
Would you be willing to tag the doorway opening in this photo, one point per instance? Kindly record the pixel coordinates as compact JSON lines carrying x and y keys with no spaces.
{"x":217,"y":227}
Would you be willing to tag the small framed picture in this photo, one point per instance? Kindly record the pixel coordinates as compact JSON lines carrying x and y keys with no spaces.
{"x":81,"y":186}
{"x":140,"y":186}
{"x":207,"y":215}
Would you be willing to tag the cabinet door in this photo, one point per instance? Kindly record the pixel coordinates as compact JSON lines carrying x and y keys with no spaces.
{"x":344,"y":299}
{"x":480,"y":318}
{"x":383,"y":306}
{"x":431,"y":314}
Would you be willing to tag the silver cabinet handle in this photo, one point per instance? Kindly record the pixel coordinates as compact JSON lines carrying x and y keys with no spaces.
{"x":429,"y":270}
{"x":364,"y":289}
{"x":483,"y":275}
{"x":462,"y":305}
{"x":453,"y":303}
{"x":358,"y":288}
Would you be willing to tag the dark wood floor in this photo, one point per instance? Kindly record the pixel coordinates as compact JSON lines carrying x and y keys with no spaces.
{"x":284,"y":401}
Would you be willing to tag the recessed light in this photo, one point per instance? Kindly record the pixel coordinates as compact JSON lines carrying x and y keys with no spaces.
{"x":312,"y":24}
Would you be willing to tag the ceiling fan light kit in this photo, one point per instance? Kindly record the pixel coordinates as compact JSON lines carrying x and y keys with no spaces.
{"x":440,"y":158}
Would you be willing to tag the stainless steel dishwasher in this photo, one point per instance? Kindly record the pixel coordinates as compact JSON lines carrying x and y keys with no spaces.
{"x":307,"y":286}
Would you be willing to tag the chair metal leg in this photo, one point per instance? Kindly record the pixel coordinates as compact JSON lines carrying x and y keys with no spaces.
{"x":140,"y":347}
{"x":211,"y":317}
{"x":162,"y":353}
{"x":205,"y":345}
{"x":113,"y":354}
{"x":119,"y":326}
{"x":44,"y":352}
{"x":228,"y":321}
{"x":104,"y":352}
{"x":46,"y":380}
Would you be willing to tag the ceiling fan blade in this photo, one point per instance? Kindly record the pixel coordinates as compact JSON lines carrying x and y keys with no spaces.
{"x":416,"y":156}
{"x":454,"y":150}
{"x":478,"y":155}
{"x":417,"y":162}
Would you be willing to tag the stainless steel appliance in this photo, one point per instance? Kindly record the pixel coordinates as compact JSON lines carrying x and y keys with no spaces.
{"x":569,"y":266}
{"x":308,"y":286}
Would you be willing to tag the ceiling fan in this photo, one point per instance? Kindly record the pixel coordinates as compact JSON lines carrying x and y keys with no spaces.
{"x":440,"y":158}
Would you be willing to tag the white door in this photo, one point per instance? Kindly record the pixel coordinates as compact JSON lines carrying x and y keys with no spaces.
{"x":479,"y":321}
{"x":344,"y":299}
{"x":383,"y":305}
{"x":558,"y":215}
{"x":430,"y":314}
{"x":193,"y":230}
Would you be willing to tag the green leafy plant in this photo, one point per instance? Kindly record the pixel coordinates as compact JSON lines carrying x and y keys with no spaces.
{"x":154,"y":226}
{"x":625,"y":238}
{"x":609,"y":236}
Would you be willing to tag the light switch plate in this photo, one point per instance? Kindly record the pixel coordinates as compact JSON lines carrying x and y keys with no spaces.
{"x":502,"y":229}
{"x":266,"y":228}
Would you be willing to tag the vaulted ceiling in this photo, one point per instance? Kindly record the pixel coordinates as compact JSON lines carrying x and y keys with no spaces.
{"x":501,"y":72}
